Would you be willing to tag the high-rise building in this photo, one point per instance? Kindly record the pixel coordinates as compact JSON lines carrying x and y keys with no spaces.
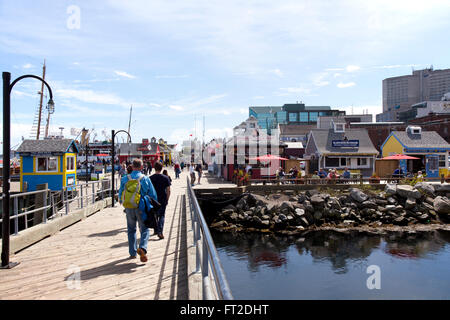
{"x":297,"y":113}
{"x":401,"y":93}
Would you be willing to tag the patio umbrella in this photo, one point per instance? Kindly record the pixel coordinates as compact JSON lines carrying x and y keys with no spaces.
{"x":400,"y":157}
{"x":102,"y":155}
{"x":268,"y":157}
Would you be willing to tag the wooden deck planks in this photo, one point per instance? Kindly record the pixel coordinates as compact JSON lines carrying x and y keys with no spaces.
{"x":98,"y":246}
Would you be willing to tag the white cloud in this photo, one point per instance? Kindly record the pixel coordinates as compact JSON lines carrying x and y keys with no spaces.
{"x":345,"y":85}
{"x":171,"y":76}
{"x":352,"y":68}
{"x":177,"y":108}
{"x":296,"y":90}
{"x":124,"y":74}
{"x":27,"y":66}
{"x":277,"y":72}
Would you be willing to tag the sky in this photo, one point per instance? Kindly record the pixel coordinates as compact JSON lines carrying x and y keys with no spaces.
{"x":177,"y":62}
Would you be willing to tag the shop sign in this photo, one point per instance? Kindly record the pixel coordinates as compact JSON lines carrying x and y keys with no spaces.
{"x":345,"y":143}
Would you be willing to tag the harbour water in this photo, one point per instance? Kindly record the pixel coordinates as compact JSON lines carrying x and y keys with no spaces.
{"x":330,"y":265}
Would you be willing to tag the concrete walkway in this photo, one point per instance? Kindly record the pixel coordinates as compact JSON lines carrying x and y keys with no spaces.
{"x":89,"y":260}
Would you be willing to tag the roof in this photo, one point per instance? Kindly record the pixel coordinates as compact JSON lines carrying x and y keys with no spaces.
{"x":266,"y":109}
{"x":132,"y":148}
{"x":323,"y":139}
{"x":296,"y":129}
{"x":376,"y":123}
{"x":47,"y":146}
{"x":427,"y":139}
{"x":294,"y":145}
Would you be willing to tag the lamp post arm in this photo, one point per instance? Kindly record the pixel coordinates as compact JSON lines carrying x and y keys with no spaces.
{"x":31,"y":76}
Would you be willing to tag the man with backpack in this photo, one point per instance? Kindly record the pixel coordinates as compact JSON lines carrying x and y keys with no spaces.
{"x":162,"y":187}
{"x":133,"y":187}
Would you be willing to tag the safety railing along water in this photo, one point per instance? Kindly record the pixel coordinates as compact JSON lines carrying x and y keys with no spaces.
{"x":207,"y":258}
{"x":55,"y":203}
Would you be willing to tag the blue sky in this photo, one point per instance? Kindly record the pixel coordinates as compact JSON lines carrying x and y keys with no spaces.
{"x":177,"y":61}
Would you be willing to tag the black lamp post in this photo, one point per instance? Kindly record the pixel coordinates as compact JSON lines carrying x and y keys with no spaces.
{"x":113,"y":155}
{"x":7,"y":88}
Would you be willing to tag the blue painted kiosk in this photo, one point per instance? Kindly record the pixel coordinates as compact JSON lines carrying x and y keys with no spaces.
{"x":51,"y":161}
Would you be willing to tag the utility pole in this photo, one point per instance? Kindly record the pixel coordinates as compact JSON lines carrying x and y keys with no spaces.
{"x":40,"y":104}
{"x":129,"y":123}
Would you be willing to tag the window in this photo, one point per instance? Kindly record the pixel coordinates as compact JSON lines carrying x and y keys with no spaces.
{"x":313,"y":116}
{"x":331,"y":162}
{"x":70,"y":163}
{"x":343,"y":162}
{"x":442,"y":161}
{"x":303,"y":116}
{"x":293,"y":117}
{"x":47,"y":164}
{"x":339,"y":127}
{"x":362,"y":162}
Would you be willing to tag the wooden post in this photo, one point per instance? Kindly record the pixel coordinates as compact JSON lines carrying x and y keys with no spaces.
{"x":39,"y":202}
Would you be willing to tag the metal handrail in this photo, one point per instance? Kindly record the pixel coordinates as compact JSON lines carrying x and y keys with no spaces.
{"x":209,"y":257}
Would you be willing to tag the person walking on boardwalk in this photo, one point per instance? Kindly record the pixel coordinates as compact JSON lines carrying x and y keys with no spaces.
{"x":133,"y":187}
{"x":162,"y":186}
{"x":192,"y":173}
{"x":199,"y":170}
{"x":177,"y":170}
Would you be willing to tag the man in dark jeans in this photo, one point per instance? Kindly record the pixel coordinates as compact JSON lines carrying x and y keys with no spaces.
{"x":162,"y":187}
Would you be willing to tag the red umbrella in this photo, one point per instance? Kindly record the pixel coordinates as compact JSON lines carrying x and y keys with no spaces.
{"x":400,"y":157}
{"x":268,"y":157}
{"x":102,"y":155}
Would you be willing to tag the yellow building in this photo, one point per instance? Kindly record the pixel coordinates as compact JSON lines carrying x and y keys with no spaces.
{"x":431,"y":149}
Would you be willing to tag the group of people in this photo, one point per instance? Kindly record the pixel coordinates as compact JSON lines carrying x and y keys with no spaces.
{"x":195,"y":168}
{"x":157,"y":187}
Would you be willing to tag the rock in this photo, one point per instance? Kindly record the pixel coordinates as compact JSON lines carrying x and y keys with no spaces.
{"x":442,"y":205}
{"x":251,"y":200}
{"x":391,"y":200}
{"x":358,"y":195}
{"x":242,"y":204}
{"x":424,"y":217}
{"x":265,"y":217}
{"x":265,"y":223}
{"x":390,"y":207}
{"x":299,"y":212}
{"x":219,"y":224}
{"x":257,"y":220}
{"x":227,"y":212}
{"x":442,"y":188}
{"x":286,"y":205}
{"x":289,"y":192}
{"x":304,"y":221}
{"x":317,"y":215}
{"x":317,"y":200}
{"x":293,"y":199}
{"x":230,"y":207}
{"x":400,"y":221}
{"x":410,"y":203}
{"x":312,"y":192}
{"x":234,"y":216}
{"x":390,"y":189}
{"x":381,"y":202}
{"x":301,"y":198}
{"x":369,"y":204}
{"x":348,"y":222}
{"x":308,"y":206}
{"x":282,"y":217}
{"x":334,"y":203}
{"x":406,"y":191}
{"x":425,"y":188}
{"x":276,"y":196}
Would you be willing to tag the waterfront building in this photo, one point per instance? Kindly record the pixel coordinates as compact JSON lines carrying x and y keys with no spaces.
{"x":439,"y":122}
{"x":378,"y":131}
{"x":402,"y":92}
{"x":431,"y":149}
{"x":51,"y":161}
{"x":340,"y":147}
{"x":297,"y":113}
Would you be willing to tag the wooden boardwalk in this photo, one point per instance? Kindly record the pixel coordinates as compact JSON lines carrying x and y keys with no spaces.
{"x":90,"y":260}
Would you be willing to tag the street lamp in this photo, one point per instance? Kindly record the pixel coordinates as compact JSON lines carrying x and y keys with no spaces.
{"x":7,"y":88}
{"x":113,"y":155}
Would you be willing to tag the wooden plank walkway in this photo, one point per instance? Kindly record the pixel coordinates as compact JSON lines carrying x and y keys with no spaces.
{"x":89,"y":260}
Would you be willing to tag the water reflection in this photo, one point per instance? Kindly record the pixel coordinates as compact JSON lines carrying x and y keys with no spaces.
{"x":338,"y":249}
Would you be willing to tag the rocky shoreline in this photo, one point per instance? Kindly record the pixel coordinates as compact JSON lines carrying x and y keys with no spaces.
{"x":423,"y":207}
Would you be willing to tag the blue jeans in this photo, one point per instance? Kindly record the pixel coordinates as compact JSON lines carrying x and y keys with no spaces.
{"x":160,"y":215}
{"x":133,"y":216}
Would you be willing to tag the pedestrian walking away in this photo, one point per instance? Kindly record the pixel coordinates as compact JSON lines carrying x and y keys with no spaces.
{"x":133,"y":188}
{"x":192,"y":173}
{"x":162,"y":186}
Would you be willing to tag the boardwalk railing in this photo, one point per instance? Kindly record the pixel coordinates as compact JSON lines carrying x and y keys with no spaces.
{"x":207,"y":258}
{"x":53,"y":204}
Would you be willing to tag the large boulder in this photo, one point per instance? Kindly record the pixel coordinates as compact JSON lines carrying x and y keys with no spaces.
{"x":410,"y":203}
{"x":442,"y":188}
{"x":358,"y":195}
{"x":317,"y":200}
{"x":425,"y":188}
{"x":442,"y":205}
{"x":407,"y":191}
{"x":390,"y":189}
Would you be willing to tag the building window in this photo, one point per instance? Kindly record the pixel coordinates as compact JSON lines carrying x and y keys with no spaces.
{"x":293,"y":117}
{"x":362,"y":162}
{"x":343,"y":162}
{"x":303,"y":116}
{"x":331,"y":162}
{"x":313,"y":116}
{"x":442,"y":161}
{"x":47,"y":164}
{"x":339,"y":127}
{"x":70,"y":163}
